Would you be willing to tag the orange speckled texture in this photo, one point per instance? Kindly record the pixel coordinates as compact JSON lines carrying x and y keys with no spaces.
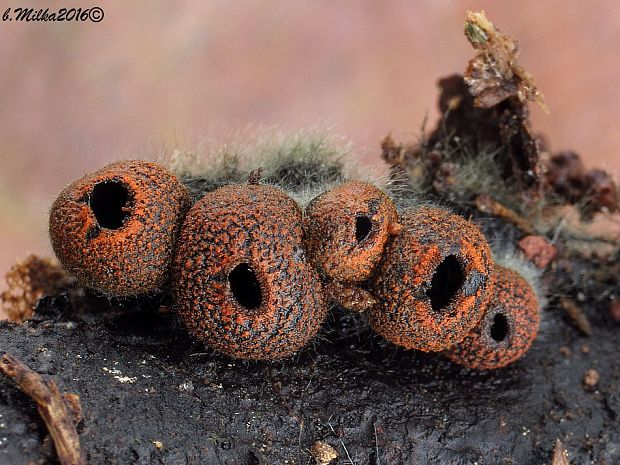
{"x":259,"y":226}
{"x":404,"y":314}
{"x":330,"y":225}
{"x":133,"y":258}
{"x":515,"y":299}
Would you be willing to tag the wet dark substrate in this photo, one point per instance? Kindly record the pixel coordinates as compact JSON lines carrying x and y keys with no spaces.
{"x":141,"y":381}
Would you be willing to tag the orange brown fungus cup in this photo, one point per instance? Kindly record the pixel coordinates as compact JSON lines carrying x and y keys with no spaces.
{"x":241,"y":280}
{"x":115,"y":229}
{"x":433,"y":283}
{"x":508,"y":328}
{"x":347,"y":229}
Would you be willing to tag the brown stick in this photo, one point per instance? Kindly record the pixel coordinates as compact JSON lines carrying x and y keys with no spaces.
{"x":51,"y":406}
{"x":486,"y":204}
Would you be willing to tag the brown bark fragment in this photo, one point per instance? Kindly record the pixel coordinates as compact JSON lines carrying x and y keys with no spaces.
{"x":494,"y":74}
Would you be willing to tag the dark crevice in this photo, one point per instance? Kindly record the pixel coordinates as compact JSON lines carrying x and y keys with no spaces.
{"x":446,"y":281}
{"x":109,"y":202}
{"x":362,"y":228}
{"x":499,"y":328}
{"x":245,"y":286}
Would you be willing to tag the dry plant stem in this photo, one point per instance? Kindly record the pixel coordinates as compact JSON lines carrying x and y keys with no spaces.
{"x":577,"y":316}
{"x":560,"y":455}
{"x":486,"y":204}
{"x":52,"y":408}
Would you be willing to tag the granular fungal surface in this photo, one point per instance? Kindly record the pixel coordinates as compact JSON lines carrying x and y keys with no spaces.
{"x":433,"y":283}
{"x":508,"y":328}
{"x":115,"y":229}
{"x":241,"y":279}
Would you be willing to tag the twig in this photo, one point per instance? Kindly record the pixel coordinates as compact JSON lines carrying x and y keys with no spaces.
{"x":342,"y":444}
{"x":486,"y":204}
{"x":374,"y":425}
{"x":52,"y":408}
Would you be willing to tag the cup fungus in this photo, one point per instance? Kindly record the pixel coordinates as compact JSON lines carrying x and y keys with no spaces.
{"x":115,"y":229}
{"x":507,"y":329}
{"x":347,"y":229}
{"x":433,"y":283}
{"x":241,"y":280}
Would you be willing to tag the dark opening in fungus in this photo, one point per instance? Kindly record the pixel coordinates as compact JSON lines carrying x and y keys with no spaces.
{"x":347,"y":228}
{"x":363,"y":225}
{"x":115,"y":229}
{"x":245,"y":286}
{"x":109,"y":202}
{"x":507,"y":329}
{"x":433,"y":284}
{"x":271,"y":300}
{"x":499,"y":328}
{"x":446,"y":282}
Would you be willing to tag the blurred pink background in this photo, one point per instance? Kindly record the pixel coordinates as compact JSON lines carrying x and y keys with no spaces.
{"x":155,"y":75}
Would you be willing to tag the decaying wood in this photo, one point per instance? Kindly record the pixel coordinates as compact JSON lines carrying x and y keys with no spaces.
{"x":495,"y":74}
{"x":52,"y":407}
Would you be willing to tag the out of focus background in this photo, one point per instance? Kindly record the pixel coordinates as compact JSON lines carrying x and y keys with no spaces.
{"x":154,"y":75}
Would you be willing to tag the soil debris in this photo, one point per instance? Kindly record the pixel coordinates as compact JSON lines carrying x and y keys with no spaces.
{"x":568,"y":181}
{"x":323,"y":453}
{"x":538,"y":250}
{"x":591,"y":379}
{"x":614,"y":309}
{"x":28,"y":281}
{"x":502,"y":133}
{"x":255,"y":176}
{"x":566,"y":351}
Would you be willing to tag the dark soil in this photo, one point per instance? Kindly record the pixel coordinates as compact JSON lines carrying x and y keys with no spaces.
{"x":141,"y":379}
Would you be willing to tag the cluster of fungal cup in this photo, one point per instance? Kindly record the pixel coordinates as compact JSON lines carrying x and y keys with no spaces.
{"x":252,"y":272}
